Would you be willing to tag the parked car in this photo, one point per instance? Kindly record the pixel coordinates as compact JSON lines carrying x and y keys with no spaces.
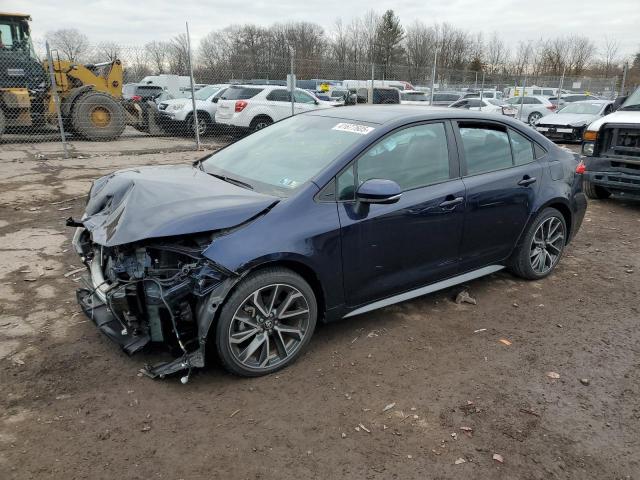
{"x":488,"y":105}
{"x":320,"y":217}
{"x":612,"y":148}
{"x":178,"y":113}
{"x":569,"y":123}
{"x":413,"y":97}
{"x":531,"y":109}
{"x":485,"y":94}
{"x":253,"y":107}
{"x":570,"y":98}
{"x":381,"y":96}
{"x":446,"y":98}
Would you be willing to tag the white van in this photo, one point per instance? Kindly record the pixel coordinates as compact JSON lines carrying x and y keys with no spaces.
{"x":533,"y":90}
{"x":176,"y":85}
{"x":356,"y":84}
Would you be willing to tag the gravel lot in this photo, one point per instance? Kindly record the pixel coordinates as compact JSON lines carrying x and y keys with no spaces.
{"x":72,"y":405}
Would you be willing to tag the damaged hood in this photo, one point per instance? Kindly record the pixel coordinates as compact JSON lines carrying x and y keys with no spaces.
{"x":570,"y":119}
{"x":149,"y":202}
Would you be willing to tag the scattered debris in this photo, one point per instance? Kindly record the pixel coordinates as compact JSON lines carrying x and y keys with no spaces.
{"x":480,"y":330}
{"x":585,"y":381}
{"x":454,"y":435}
{"x":389,"y":407}
{"x":466,"y":429}
{"x":64,"y":208}
{"x":515,"y":305}
{"x":343,"y":435}
{"x":372,"y":334}
{"x":505,"y":341}
{"x":498,"y":458}
{"x":146,"y":428}
{"x":460,"y":460}
{"x":73,"y":272}
{"x":464,"y":297}
{"x":364,"y":428}
{"x":234,"y":413}
{"x":30,"y":279}
{"x":529,"y":412}
{"x":17,"y":361}
{"x":553,"y":375}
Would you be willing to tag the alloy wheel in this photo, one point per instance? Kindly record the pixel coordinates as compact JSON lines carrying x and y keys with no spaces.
{"x":269,"y":326}
{"x":547,"y":245}
{"x":202,"y":125}
{"x":534,"y":117}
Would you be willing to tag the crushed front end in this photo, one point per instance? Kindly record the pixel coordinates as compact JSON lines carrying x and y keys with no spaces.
{"x":153,"y":292}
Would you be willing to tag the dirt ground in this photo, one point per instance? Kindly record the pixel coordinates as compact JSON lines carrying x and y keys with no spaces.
{"x":425,"y":389}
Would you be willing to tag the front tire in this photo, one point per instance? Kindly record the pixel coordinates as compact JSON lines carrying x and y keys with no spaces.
{"x":98,"y":116}
{"x":204,"y":124}
{"x":266,"y":322}
{"x":542,"y":246}
{"x":595,"y":192}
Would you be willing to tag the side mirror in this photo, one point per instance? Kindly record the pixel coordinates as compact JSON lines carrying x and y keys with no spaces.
{"x":215,"y":99}
{"x":377,"y":190}
{"x":617,"y":103}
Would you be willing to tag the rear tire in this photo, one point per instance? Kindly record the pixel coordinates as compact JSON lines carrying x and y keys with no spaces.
{"x":98,"y":116}
{"x":534,"y":117}
{"x":266,"y":322}
{"x":542,"y":246}
{"x":259,"y":123}
{"x":595,"y":192}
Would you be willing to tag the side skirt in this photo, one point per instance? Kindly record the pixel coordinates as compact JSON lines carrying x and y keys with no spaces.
{"x":434,"y":287}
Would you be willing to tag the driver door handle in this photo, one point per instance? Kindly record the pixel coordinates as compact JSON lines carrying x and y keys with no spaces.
{"x":526,"y":181}
{"x":450,"y":202}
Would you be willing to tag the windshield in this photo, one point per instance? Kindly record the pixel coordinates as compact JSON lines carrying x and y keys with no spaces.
{"x":206,"y":92}
{"x":580,"y":107}
{"x":493,"y":101}
{"x":633,"y":102}
{"x":281,"y":158}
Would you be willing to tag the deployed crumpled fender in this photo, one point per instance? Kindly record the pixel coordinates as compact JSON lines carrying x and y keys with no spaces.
{"x":160,"y":201}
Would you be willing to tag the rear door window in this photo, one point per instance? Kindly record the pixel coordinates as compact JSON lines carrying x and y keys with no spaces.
{"x":486,"y":147}
{"x":279,"y":95}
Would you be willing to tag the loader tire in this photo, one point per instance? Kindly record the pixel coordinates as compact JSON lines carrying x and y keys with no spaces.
{"x":98,"y":116}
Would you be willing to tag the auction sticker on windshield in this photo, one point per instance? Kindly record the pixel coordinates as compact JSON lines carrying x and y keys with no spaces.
{"x":353,"y":128}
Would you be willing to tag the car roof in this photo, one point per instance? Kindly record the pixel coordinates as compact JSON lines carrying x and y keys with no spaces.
{"x":383,"y":114}
{"x":594,"y":101}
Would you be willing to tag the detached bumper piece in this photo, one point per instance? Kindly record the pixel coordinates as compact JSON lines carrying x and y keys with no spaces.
{"x":98,"y":312}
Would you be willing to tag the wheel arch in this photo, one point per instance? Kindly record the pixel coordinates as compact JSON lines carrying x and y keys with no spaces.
{"x":204,"y":112}
{"x":261,"y":115}
{"x":305,"y":271}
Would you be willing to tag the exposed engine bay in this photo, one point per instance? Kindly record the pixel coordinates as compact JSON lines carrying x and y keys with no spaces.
{"x":154,"y":292}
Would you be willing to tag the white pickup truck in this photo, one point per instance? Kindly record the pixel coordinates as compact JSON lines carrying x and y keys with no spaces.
{"x":611,"y":146}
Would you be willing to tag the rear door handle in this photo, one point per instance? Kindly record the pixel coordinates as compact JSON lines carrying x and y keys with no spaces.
{"x":526,"y":181}
{"x":450,"y":202}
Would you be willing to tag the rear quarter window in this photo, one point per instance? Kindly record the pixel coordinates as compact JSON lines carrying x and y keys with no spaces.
{"x":240,"y":93}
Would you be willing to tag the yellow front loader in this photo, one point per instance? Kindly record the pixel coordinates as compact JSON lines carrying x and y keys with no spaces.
{"x":90,"y":95}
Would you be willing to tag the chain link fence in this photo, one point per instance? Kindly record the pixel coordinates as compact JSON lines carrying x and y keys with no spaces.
{"x":131,"y":93}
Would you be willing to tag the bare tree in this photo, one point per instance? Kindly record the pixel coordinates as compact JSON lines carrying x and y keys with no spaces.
{"x":107,"y":51}
{"x":70,"y":43}
{"x":610,"y":54}
{"x":158,"y":53}
{"x":497,"y":54}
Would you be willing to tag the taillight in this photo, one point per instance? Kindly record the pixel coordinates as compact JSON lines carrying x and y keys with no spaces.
{"x":552,"y":107}
{"x":581,"y":168}
{"x":136,"y":98}
{"x":240,"y":105}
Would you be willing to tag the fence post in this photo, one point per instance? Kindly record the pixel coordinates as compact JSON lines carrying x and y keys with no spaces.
{"x":433,"y":75}
{"x":625,"y":66}
{"x":481,"y":88}
{"x":56,"y":100}
{"x":196,"y":125}
{"x":560,"y":88}
{"x":524,"y":89}
{"x":293,"y":84}
{"x":373,"y":76}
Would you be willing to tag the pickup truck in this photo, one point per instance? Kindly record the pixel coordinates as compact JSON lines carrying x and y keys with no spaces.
{"x":611,"y":146}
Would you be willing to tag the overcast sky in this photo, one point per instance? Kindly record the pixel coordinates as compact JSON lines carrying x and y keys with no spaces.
{"x":135,"y":22}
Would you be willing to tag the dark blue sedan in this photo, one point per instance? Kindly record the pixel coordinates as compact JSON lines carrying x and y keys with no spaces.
{"x":319,"y":217}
